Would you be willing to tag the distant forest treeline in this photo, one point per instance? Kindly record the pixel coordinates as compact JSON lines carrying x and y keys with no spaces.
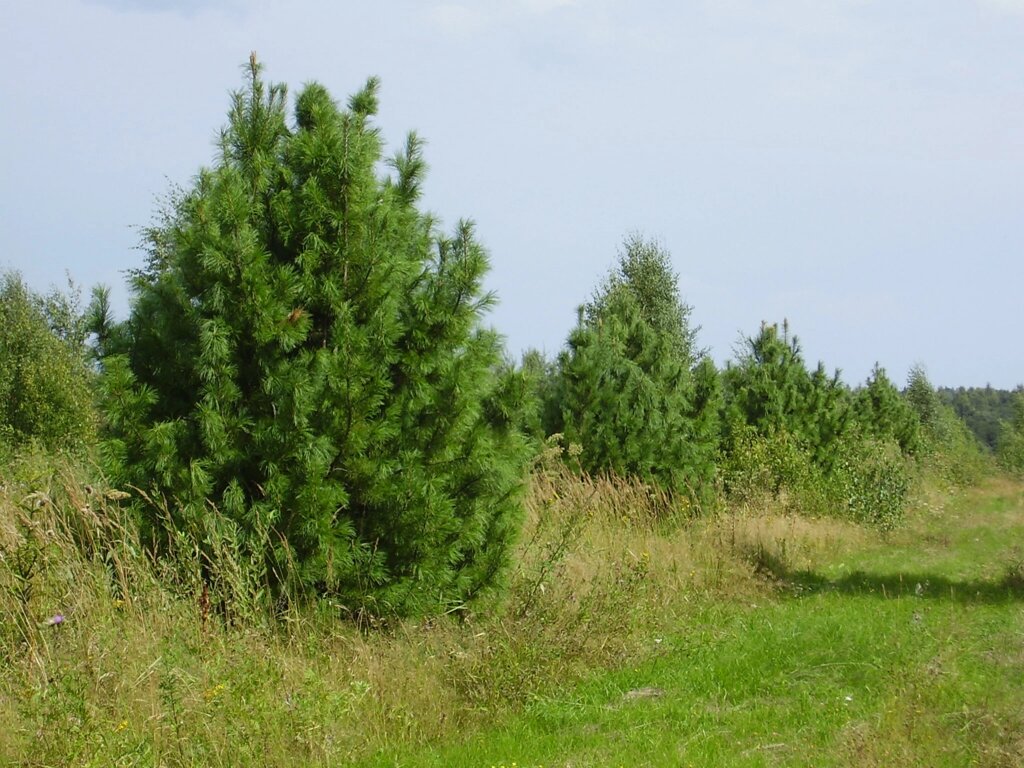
{"x":983,"y":409}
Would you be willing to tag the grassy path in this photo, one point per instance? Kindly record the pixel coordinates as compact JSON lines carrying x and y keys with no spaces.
{"x":908,"y":652}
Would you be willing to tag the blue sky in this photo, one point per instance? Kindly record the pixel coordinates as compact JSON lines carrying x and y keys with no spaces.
{"x":856,"y":167}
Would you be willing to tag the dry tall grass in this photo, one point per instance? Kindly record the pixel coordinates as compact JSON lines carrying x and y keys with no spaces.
{"x":140,"y":670}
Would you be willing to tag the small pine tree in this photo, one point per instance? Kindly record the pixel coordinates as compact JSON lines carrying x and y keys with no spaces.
{"x":631,"y":393}
{"x":305,"y":367}
{"x":882,"y":412}
{"x":770,"y":390}
{"x":804,"y":432}
{"x":541,"y":414}
{"x":644,"y":269}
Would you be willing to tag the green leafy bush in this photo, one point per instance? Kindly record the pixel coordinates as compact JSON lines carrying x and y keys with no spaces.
{"x":46,"y":391}
{"x":774,"y":466}
{"x":867,"y":483}
{"x":871,"y":480}
{"x":305,"y":374}
{"x":949,"y":450}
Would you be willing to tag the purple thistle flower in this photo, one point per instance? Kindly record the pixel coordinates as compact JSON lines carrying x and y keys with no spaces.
{"x":55,"y":620}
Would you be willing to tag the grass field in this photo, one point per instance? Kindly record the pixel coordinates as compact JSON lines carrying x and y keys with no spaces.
{"x":907,"y":651}
{"x":747,"y":638}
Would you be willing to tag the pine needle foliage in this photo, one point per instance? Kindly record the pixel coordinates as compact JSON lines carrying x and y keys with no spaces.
{"x":542,"y":410}
{"x":305,"y":370}
{"x":634,"y":396}
{"x":644,"y":270}
{"x":770,"y":389}
{"x":882,"y":412}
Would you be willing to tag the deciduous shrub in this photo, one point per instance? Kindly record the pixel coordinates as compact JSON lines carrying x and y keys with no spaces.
{"x":867,"y":483}
{"x":46,"y":391}
{"x":871,"y":480}
{"x":948,"y":449}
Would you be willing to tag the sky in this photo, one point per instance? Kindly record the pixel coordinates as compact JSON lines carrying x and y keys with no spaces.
{"x":853,"y":166}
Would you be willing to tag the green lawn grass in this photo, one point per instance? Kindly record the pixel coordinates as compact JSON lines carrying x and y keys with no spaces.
{"x":908,"y":651}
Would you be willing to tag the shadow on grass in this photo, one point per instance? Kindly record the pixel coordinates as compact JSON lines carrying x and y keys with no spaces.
{"x":927,"y":586}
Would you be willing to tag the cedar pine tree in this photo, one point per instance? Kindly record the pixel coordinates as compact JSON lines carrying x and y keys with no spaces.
{"x":305,"y":368}
{"x":633,"y":395}
{"x":882,"y":412}
{"x":770,"y":389}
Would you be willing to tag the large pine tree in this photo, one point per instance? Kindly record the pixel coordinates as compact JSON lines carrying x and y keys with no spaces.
{"x":305,"y":366}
